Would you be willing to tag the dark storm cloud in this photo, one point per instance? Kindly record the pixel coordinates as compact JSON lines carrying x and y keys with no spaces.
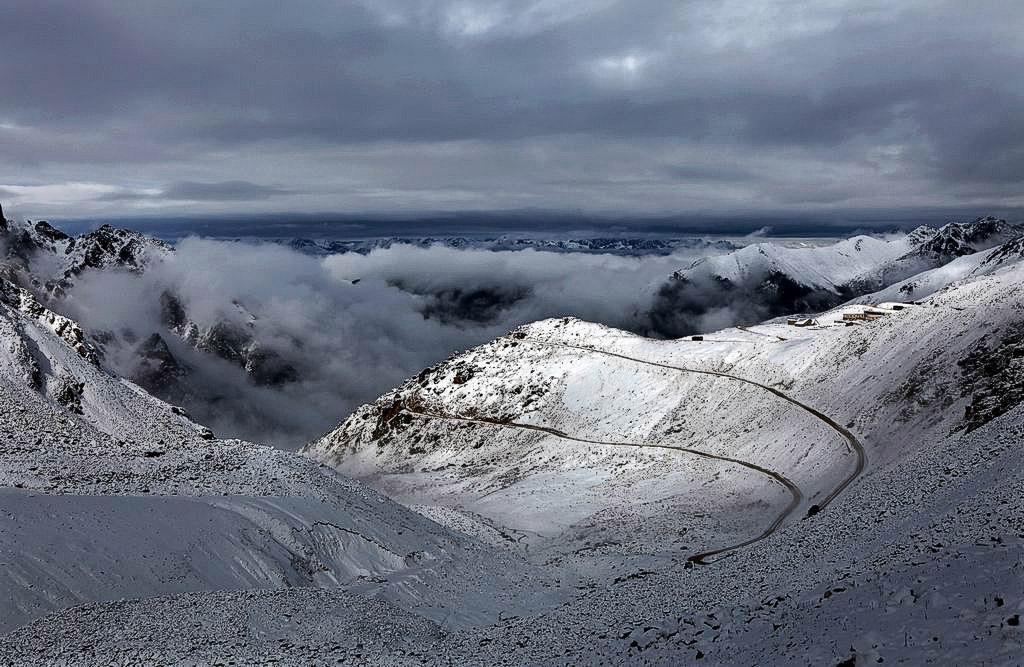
{"x":689,"y":172}
{"x":899,"y":100}
{"x":224,"y":191}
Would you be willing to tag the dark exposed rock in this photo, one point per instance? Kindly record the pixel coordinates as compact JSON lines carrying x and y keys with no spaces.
{"x":992,"y":374}
{"x":463,"y":374}
{"x":481,"y":305}
{"x":21,"y":246}
{"x":268,"y":368}
{"x":234,"y":343}
{"x":228,"y":341}
{"x":108,"y":246}
{"x":387,"y":416}
{"x":158,"y":370}
{"x":68,"y":392}
{"x":1009,"y":251}
{"x":172,"y":312}
{"x":958,"y":239}
{"x":49,"y":232}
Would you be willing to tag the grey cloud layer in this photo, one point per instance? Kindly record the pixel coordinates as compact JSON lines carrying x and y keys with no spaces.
{"x":731,"y":105}
{"x":348,"y":342}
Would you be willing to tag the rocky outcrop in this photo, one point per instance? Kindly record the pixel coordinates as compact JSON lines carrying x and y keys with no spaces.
{"x":992,"y":375}
{"x":65,"y":328}
{"x":958,"y":239}
{"x":231,"y":341}
{"x":158,"y":371}
{"x":1008,"y":252}
{"x":53,"y":259}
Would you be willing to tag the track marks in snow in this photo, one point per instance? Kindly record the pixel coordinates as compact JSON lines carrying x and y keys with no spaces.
{"x":851,"y":440}
{"x":796,"y":496}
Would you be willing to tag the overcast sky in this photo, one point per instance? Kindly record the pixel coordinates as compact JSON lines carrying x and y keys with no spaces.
{"x":636,"y":107}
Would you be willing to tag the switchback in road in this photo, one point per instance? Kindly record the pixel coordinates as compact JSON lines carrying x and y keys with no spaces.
{"x":852,"y":442}
{"x":796,"y":496}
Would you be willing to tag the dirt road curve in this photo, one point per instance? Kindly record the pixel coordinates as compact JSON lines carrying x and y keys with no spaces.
{"x":796,"y":496}
{"x":851,"y":440}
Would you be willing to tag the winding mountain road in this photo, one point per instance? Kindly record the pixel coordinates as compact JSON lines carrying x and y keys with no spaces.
{"x":853,"y":444}
{"x":796,"y":496}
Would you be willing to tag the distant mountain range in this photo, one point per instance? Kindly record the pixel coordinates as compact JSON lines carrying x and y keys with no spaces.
{"x":764,"y":280}
{"x":607,"y":246}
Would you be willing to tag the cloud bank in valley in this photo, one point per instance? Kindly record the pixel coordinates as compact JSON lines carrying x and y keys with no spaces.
{"x":351,"y":325}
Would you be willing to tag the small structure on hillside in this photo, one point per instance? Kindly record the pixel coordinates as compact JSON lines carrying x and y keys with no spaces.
{"x":801,"y":322}
{"x":697,"y":338}
{"x":867,"y":314}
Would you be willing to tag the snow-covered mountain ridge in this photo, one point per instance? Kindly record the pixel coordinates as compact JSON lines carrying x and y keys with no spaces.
{"x":601,"y":245}
{"x":765,"y":280}
{"x":43,"y":257}
{"x":958,"y":239}
{"x":47,"y":262}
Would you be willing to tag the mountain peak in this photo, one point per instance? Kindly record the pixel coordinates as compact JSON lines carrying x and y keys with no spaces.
{"x":53,"y":257}
{"x":956,"y":239}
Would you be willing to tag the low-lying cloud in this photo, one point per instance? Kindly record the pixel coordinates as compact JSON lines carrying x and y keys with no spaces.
{"x":351,"y":326}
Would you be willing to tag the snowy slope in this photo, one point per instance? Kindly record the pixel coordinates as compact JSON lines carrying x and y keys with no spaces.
{"x":111,"y":493}
{"x":966,"y":265}
{"x":420,"y":441}
{"x":821,"y":267}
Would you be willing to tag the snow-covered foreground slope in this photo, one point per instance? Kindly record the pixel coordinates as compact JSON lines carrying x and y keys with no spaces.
{"x":108,"y":493}
{"x":920,"y":562}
